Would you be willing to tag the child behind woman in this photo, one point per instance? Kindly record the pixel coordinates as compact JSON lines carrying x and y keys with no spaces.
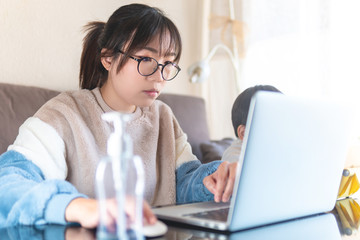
{"x":239,"y":114}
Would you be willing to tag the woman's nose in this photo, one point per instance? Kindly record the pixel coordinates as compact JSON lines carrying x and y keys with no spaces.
{"x":157,"y":76}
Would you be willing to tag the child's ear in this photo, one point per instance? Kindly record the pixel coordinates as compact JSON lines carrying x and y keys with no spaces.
{"x":241,"y":131}
{"x":106,"y":61}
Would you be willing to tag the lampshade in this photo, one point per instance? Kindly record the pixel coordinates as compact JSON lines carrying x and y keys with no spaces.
{"x":200,"y":71}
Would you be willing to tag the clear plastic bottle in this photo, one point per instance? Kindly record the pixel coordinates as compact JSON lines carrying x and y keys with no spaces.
{"x":110,"y":185}
{"x":120,"y":180}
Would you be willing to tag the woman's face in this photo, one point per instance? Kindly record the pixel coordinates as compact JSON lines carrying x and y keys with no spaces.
{"x":125,"y":90}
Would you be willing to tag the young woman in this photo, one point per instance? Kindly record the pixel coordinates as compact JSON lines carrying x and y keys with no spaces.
{"x":47,"y":175}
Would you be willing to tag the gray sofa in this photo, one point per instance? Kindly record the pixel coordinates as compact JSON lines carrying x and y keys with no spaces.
{"x":19,"y":102}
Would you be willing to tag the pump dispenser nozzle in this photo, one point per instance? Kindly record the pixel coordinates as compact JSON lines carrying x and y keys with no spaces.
{"x":114,"y":145}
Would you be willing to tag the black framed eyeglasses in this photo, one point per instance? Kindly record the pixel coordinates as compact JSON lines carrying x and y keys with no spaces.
{"x":148,"y":66}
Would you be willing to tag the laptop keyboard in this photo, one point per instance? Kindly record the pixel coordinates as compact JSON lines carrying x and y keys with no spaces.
{"x":218,"y":214}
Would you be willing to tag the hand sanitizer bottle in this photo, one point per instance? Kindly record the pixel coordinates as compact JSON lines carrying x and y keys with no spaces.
{"x":110,"y":185}
{"x":120,"y":177}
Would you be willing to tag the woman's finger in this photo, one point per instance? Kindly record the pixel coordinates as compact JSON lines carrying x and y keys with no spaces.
{"x":230,"y":182}
{"x":222,"y":179}
{"x":149,"y":216}
{"x":210,"y":183}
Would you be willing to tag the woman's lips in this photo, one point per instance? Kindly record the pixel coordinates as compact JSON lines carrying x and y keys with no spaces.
{"x":152,"y":93}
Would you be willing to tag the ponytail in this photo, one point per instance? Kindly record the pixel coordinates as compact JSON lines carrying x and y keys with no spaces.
{"x":92,"y":72}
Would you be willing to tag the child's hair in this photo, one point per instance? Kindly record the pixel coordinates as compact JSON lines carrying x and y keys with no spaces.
{"x":240,"y":109}
{"x":129,"y":29}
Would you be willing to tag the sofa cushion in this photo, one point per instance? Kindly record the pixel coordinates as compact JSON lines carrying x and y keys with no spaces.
{"x":191,"y":114}
{"x":17,"y":104}
{"x":213,"y":150}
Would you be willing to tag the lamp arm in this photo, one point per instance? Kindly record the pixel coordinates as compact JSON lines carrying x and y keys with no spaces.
{"x":227,"y":50}
{"x":200,"y":71}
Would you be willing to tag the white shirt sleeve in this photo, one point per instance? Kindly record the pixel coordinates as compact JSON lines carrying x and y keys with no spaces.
{"x":40,"y":143}
{"x":232,"y":153}
{"x":183,"y":151}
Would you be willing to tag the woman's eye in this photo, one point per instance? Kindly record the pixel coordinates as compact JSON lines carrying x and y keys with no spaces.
{"x":146,"y":59}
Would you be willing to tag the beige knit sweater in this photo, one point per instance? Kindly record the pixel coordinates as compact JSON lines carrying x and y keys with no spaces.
{"x":76,"y":118}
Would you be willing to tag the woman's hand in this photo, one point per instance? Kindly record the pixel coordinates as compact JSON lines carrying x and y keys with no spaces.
{"x":148,"y":215}
{"x":86,"y":212}
{"x":83,"y":211}
{"x":221,"y":182}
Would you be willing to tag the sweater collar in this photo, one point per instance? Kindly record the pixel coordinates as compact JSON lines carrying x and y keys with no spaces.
{"x":107,"y":108}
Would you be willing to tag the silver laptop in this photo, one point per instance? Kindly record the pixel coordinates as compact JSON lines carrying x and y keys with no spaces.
{"x":290,"y":166}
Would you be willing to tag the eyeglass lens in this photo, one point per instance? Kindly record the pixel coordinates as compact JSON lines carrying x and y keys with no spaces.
{"x":148,"y":66}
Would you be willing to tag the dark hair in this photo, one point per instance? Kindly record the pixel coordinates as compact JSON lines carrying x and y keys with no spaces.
{"x":129,"y":29}
{"x":240,"y":109}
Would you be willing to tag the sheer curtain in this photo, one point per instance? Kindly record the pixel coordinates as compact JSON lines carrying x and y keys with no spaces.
{"x":308,"y":48}
{"x":222,"y":87}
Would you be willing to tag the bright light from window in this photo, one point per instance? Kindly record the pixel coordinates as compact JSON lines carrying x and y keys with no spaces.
{"x":305,"y":47}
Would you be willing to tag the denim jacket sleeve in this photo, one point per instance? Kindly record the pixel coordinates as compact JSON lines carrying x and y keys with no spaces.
{"x":26,"y":197}
{"x":189,"y":185}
